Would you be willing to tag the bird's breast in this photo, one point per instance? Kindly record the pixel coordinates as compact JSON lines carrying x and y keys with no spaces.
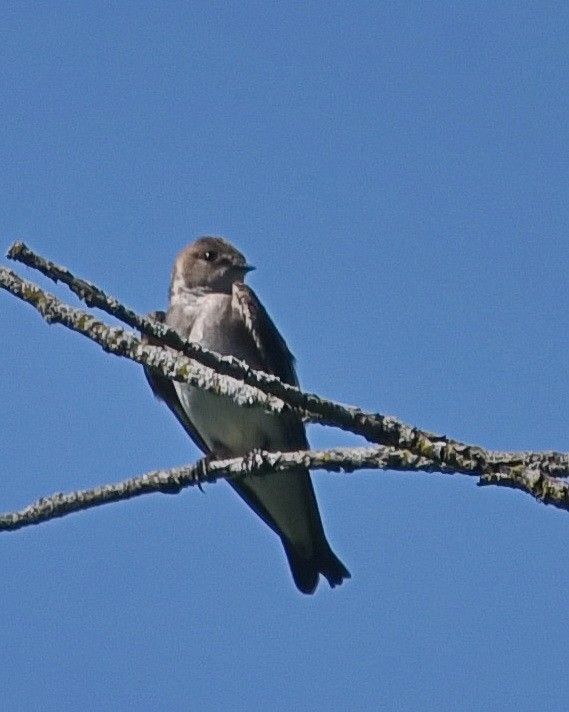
{"x":227,"y":429}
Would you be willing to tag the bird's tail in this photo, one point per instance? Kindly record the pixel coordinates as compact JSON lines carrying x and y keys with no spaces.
{"x":305,"y":571}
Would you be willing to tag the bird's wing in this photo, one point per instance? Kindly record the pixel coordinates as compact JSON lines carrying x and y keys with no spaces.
{"x":273,"y":352}
{"x":164,"y":389}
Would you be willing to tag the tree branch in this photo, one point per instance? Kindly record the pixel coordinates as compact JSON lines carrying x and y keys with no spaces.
{"x":374,"y":427}
{"x":123,"y":343}
{"x":401,"y":447}
{"x":546,"y":489}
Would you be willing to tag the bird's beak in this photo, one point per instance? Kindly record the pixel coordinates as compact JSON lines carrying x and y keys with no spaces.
{"x":241,"y":270}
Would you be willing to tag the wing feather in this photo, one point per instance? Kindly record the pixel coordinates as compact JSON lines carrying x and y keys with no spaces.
{"x":164,"y":390}
{"x":272,"y":347}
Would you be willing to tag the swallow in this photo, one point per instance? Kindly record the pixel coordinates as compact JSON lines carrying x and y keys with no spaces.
{"x":210,"y":304}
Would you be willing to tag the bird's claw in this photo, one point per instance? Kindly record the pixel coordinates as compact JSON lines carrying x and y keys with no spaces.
{"x":171,"y":488}
{"x":201,"y":470}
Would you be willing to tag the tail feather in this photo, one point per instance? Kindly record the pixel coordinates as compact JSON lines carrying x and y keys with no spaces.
{"x":305,"y":572}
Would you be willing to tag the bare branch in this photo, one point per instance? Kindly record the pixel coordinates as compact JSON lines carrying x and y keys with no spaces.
{"x":402,"y":447}
{"x":442,"y":451}
{"x":374,"y":427}
{"x":123,"y":343}
{"x":543,"y":488}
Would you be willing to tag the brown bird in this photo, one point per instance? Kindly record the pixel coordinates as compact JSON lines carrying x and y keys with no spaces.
{"x":210,"y":305}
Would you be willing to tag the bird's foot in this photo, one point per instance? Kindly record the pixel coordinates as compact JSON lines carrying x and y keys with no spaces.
{"x":257,"y":461}
{"x":171,"y":488}
{"x":201,"y":470}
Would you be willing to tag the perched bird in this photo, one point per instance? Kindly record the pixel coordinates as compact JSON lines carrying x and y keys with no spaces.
{"x":210,"y":305}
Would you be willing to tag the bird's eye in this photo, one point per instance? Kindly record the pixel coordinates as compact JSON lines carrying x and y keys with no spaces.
{"x":210,"y":256}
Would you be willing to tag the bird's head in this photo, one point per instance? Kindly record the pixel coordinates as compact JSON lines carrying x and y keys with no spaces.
{"x":209,"y":263}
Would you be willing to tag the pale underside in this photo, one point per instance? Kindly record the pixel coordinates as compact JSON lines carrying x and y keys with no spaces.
{"x":231,"y":431}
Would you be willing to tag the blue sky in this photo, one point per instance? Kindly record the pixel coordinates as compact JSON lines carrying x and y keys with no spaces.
{"x":398,"y":173}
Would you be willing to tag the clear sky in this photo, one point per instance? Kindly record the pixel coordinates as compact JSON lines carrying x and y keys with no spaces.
{"x":398,"y":173}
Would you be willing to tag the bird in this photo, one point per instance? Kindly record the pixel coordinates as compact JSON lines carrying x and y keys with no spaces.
{"x":210,"y":304}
